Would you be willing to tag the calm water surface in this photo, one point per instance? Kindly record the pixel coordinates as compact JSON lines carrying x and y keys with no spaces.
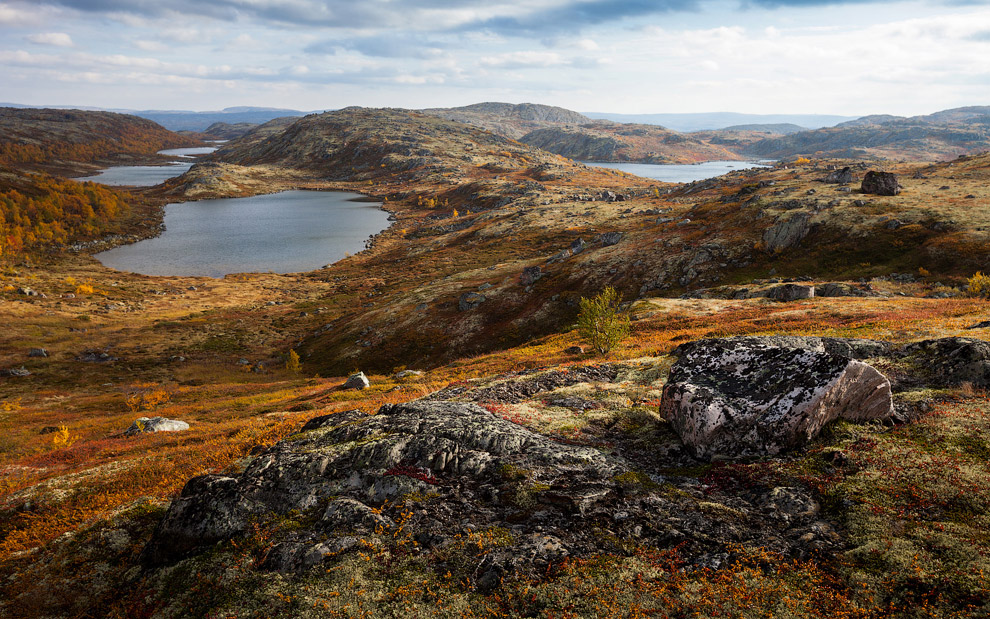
{"x":148,"y":175}
{"x":287,"y":232}
{"x":680,"y":173}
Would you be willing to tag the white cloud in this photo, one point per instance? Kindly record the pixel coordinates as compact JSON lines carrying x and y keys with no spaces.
{"x":522,"y":60}
{"x":56,"y":39}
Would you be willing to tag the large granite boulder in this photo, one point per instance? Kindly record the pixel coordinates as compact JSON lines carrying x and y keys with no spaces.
{"x":787,"y":233}
{"x":747,"y":397}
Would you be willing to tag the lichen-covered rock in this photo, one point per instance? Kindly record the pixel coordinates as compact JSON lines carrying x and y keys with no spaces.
{"x":345,"y":462}
{"x":730,"y":397}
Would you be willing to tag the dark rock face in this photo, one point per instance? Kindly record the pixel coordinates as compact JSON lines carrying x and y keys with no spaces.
{"x":748,"y":398}
{"x":787,"y":233}
{"x":881,"y":183}
{"x":953,"y":360}
{"x":791,"y":292}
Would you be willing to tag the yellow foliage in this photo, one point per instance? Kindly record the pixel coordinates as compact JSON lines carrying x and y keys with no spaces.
{"x":11,"y":405}
{"x":148,"y":399}
{"x":84,"y":289}
{"x":63,"y":438}
{"x":922,"y":271}
{"x":292,"y":362}
{"x":978,"y":285}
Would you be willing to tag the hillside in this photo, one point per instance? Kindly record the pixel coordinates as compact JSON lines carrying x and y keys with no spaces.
{"x":60,"y":140}
{"x":510,"y":120}
{"x":936,"y":137}
{"x":495,"y":466}
{"x":604,"y":141}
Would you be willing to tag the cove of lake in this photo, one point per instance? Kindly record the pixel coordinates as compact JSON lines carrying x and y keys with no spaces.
{"x":287,"y":232}
{"x":149,"y":175}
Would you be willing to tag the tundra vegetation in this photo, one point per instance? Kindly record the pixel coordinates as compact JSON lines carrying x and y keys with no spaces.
{"x":886,"y":518}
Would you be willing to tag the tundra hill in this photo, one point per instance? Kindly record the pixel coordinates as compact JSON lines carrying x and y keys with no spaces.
{"x":495,"y":241}
{"x":73,"y":141}
{"x":606,"y":141}
{"x":869,"y":521}
{"x":510,"y":120}
{"x":935,"y":137}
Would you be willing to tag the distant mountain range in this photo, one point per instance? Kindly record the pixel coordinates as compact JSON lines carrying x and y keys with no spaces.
{"x":721,"y":120}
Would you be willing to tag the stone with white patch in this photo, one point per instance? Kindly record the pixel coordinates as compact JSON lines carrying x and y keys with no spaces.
{"x":737,"y":398}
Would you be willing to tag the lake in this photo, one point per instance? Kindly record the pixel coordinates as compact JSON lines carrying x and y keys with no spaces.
{"x":149,"y":175}
{"x":679,"y":173}
{"x":286,"y":232}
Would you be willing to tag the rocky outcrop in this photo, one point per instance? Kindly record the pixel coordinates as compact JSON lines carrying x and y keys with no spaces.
{"x":880,"y":183}
{"x":404,"y":449}
{"x":791,"y":292}
{"x":733,"y":397}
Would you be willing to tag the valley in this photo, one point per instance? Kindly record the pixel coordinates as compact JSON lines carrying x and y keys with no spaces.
{"x":495,"y":465}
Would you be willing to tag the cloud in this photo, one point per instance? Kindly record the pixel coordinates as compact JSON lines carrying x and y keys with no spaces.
{"x":56,"y":39}
{"x":576,"y":15}
{"x":383,"y":46}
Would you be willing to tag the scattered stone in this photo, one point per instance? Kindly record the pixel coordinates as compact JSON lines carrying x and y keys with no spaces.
{"x":530,"y":275}
{"x":980,"y":325}
{"x":574,"y":350}
{"x":408,"y":374}
{"x":839,"y":177}
{"x":470,"y":300}
{"x":145,"y":425}
{"x":733,"y":397}
{"x":37,"y":352}
{"x":484,"y":286}
{"x":15,"y":372}
{"x":791,"y":292}
{"x":578,"y":246}
{"x":243,"y":361}
{"x":356,"y":381}
{"x":880,"y":183}
{"x":48,"y":430}
{"x":96,"y":356}
{"x":859,"y":202}
{"x":610,"y":238}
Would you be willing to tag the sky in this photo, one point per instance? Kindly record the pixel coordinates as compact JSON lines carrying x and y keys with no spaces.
{"x":623,"y":56}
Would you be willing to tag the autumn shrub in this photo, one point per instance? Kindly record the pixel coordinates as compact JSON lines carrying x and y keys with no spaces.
{"x":978,"y":285}
{"x":600,"y":322}
{"x":292,"y":362}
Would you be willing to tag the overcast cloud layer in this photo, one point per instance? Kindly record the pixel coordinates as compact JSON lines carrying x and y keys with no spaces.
{"x":627,"y":56}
